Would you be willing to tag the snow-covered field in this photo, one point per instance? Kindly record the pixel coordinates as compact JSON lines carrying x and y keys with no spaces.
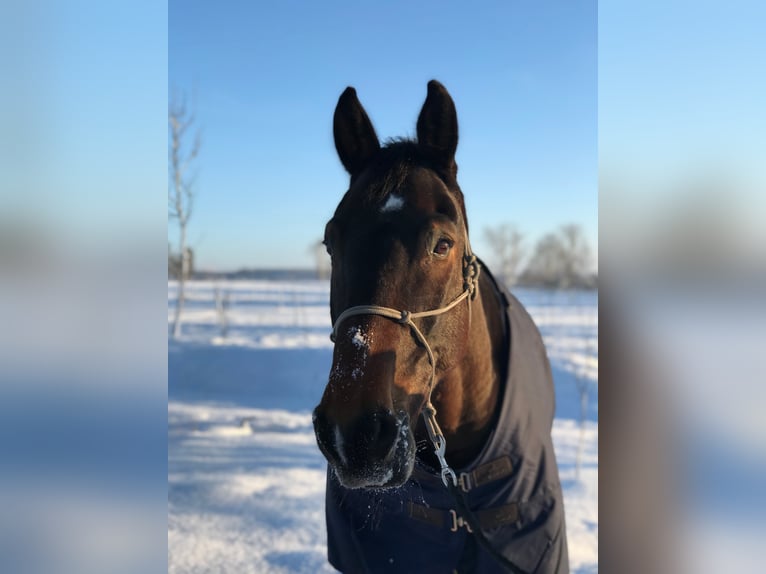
{"x":245,"y":478}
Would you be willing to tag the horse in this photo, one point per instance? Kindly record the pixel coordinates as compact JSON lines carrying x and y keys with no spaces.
{"x":436,"y":418}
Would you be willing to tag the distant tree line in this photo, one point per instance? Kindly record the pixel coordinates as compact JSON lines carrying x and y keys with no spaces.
{"x":559,"y":260}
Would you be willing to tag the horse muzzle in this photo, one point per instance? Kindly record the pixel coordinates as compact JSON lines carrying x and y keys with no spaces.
{"x":375,"y":450}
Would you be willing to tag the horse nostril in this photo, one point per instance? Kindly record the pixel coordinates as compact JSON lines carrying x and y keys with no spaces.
{"x":374,"y":436}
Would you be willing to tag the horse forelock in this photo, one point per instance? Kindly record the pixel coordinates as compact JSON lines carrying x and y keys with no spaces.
{"x":388,"y":174}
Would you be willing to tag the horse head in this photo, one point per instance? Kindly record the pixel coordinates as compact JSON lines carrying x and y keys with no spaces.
{"x":398,"y":240}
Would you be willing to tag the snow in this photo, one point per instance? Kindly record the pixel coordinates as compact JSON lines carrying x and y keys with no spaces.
{"x":358,"y":338}
{"x":245,"y":478}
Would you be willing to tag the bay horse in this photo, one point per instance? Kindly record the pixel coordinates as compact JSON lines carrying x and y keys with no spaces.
{"x":436,"y":419}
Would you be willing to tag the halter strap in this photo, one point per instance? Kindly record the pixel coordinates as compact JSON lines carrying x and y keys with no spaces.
{"x":471,"y":271}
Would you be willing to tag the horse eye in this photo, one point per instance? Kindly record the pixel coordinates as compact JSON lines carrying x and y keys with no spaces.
{"x":442,"y":247}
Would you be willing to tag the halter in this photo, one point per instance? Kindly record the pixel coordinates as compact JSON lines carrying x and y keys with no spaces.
{"x":471,"y":270}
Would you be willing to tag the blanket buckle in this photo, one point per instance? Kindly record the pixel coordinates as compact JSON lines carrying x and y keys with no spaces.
{"x":458,"y":522}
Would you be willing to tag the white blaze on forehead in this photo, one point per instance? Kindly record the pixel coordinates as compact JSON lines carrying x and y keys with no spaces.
{"x":393,"y":203}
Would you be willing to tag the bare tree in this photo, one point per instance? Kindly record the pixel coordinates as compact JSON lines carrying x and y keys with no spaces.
{"x":560,"y":259}
{"x":506,"y":242}
{"x":181,"y":188}
{"x":175,"y":261}
{"x":545,"y":265}
{"x":575,"y":252}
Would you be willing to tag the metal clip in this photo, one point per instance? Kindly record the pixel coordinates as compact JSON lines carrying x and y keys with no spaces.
{"x":446,"y":472}
{"x":458,"y":522}
{"x":440,"y":444}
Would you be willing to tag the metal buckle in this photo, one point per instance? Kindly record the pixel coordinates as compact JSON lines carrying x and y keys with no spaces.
{"x":464,"y":482}
{"x":457,"y":522}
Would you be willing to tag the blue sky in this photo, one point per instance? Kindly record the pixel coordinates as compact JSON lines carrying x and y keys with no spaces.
{"x":265,"y":77}
{"x":681,"y":86}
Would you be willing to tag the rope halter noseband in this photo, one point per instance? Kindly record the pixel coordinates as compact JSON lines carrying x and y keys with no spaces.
{"x":471,"y":270}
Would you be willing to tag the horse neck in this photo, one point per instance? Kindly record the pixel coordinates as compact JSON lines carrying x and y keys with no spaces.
{"x":468,"y":398}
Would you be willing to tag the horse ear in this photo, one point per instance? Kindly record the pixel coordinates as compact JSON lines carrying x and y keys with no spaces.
{"x":437,"y":124}
{"x":355,"y":138}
